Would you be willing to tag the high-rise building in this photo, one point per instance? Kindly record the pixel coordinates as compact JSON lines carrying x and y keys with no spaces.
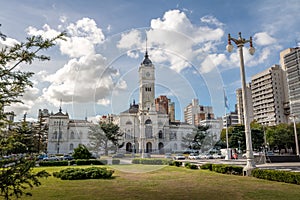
{"x":171,"y":107}
{"x":285,"y":85}
{"x":239,"y":104}
{"x":231,"y":119}
{"x":162,"y":104}
{"x":194,"y":113}
{"x":291,"y":65}
{"x":268,"y":96}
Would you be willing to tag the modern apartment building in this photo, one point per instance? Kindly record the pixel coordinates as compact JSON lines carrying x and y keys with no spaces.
{"x":230,"y":119}
{"x":239,"y":104}
{"x":194,"y":113}
{"x":268,"y":96}
{"x":291,"y":66}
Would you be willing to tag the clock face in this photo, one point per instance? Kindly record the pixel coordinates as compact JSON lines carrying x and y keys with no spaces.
{"x":148,"y":74}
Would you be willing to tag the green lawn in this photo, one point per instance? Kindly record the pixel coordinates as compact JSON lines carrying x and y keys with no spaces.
{"x":143,"y":182}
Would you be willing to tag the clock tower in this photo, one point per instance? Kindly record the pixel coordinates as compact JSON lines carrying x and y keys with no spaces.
{"x":146,"y":84}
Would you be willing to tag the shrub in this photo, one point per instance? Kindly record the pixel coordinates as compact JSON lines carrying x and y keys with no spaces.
{"x":90,"y":162}
{"x":175,"y":163}
{"x":224,"y":169}
{"x":206,"y":166}
{"x":191,"y":166}
{"x":280,"y":176}
{"x":54,"y":163}
{"x":151,"y":161}
{"x":115,"y":162}
{"x":87,"y":173}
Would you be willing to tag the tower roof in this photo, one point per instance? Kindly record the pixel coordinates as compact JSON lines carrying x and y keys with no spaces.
{"x":146,"y":60}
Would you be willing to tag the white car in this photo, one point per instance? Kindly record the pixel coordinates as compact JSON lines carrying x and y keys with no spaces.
{"x":179,"y":156}
{"x":216,"y":156}
{"x":255,"y":154}
{"x":193,"y":156}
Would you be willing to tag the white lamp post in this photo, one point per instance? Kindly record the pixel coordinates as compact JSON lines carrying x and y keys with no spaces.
{"x":249,"y":152}
{"x":296,"y":137}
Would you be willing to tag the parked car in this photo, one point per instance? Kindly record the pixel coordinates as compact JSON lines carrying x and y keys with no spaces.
{"x":255,"y":154}
{"x":51,"y":158}
{"x":168,"y":155}
{"x":179,"y":156}
{"x":193,"y":156}
{"x":208,"y":156}
{"x":217,"y":156}
{"x":67,"y":157}
{"x":41,"y":156}
{"x":118,"y":155}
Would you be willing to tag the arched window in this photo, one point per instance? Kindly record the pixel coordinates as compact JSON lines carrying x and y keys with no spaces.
{"x":71,"y":147}
{"x":175,"y":147}
{"x":55,"y":135}
{"x":148,"y":128}
{"x":160,"y":135}
{"x":128,"y":122}
{"x":72,"y":136}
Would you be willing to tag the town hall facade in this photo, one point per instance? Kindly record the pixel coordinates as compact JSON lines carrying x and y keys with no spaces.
{"x":146,"y":127}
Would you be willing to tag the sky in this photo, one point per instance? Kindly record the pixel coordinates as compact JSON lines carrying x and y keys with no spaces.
{"x":95,"y":71}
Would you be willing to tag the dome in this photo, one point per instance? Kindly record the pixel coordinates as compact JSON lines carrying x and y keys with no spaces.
{"x":146,"y":60}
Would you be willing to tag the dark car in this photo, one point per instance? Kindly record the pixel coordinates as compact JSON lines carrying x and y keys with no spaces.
{"x":118,"y":155}
{"x":67,"y":157}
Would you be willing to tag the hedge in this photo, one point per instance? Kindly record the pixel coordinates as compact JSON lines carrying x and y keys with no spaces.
{"x":73,"y":162}
{"x":276,"y":175}
{"x":224,"y":169}
{"x":87,"y":173}
{"x":89,"y":162}
{"x":115,"y":162}
{"x":151,"y":161}
{"x":190,"y":166}
{"x":54,"y":163}
{"x":175,"y":163}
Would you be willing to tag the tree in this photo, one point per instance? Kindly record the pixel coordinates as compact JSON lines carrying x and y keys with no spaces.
{"x":105,"y":136}
{"x":195,"y":139}
{"x":81,"y":152}
{"x":13,"y":82}
{"x":280,"y":137}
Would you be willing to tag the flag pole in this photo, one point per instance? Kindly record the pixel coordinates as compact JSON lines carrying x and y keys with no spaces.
{"x":227,"y":157}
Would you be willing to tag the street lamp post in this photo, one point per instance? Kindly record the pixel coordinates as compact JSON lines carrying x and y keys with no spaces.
{"x":296,"y":137}
{"x":249,"y":152}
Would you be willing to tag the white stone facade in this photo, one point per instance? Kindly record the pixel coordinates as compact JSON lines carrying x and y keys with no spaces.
{"x":65,"y":134}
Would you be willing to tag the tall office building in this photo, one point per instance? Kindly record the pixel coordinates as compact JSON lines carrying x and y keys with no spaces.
{"x":194,"y":113}
{"x":239,"y":104}
{"x":268,"y":96}
{"x":291,"y":65}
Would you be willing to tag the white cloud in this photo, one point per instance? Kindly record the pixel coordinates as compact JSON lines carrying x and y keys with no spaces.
{"x":86,"y":79}
{"x":211,"y":20}
{"x":174,"y":39}
{"x":29,"y":98}
{"x":263,"y":39}
{"x":104,"y":102}
{"x":212,"y":61}
{"x":47,"y":32}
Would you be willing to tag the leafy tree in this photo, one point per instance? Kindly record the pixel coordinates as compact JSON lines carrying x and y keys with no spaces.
{"x":281,"y":137}
{"x":81,"y":152}
{"x":195,"y":139}
{"x":13,"y":83}
{"x":18,"y":177}
{"x":40,"y":135}
{"x":105,"y":136}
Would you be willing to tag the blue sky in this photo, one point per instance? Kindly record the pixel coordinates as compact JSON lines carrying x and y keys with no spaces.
{"x":94,"y":72}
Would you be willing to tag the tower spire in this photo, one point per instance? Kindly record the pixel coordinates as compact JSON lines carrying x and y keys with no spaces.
{"x":60,"y":105}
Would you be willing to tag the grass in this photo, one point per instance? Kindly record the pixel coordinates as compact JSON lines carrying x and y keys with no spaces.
{"x":163,"y":183}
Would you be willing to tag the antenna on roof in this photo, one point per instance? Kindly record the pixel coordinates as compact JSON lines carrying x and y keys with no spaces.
{"x":60,"y":105}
